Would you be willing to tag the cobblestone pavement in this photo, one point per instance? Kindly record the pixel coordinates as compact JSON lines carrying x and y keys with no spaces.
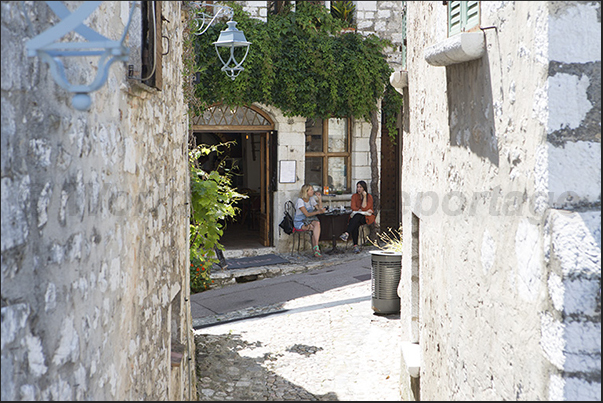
{"x":326,"y":346}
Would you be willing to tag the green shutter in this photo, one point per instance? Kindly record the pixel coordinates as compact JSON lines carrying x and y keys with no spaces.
{"x":472,"y":15}
{"x":454,"y":17}
{"x":462,"y":16}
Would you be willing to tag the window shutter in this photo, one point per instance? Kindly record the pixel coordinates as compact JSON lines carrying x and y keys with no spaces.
{"x":462,"y":16}
{"x":472,"y":15}
{"x":454,"y":17}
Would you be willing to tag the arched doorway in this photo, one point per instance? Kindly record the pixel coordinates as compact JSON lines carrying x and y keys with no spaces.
{"x":251,"y":160}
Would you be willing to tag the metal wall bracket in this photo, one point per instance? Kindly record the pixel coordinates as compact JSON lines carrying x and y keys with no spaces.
{"x":203,"y":20}
{"x":47,"y":46}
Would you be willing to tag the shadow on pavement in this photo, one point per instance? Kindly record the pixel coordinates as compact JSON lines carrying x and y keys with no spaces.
{"x":224,"y":374}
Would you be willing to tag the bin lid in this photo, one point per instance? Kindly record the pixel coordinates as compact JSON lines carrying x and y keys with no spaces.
{"x":385,"y":253}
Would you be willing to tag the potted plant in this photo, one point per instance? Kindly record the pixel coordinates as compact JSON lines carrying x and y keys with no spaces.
{"x":344,"y":10}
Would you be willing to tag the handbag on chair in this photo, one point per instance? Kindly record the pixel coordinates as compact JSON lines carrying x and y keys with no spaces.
{"x":287,"y":222}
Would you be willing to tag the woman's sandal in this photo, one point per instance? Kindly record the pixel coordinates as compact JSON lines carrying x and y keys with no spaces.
{"x":317,"y":251}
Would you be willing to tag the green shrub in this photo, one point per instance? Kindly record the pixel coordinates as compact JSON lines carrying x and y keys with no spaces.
{"x":212,"y":201}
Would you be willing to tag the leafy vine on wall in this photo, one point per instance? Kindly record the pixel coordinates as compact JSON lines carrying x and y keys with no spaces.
{"x":299,"y":62}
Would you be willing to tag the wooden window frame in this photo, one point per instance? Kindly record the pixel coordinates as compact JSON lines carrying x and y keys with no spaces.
{"x":325,"y":154}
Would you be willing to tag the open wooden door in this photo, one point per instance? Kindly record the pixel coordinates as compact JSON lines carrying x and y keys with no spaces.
{"x":265,"y":190}
{"x":226,"y":122}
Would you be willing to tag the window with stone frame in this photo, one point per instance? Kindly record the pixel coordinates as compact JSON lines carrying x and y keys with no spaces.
{"x":328,"y":153}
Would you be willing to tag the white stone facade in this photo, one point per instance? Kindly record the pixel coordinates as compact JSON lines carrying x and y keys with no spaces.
{"x":501,"y":281}
{"x":94,"y":222}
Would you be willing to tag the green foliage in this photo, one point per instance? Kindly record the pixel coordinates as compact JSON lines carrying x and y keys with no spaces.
{"x":212,"y":196}
{"x":298,"y":62}
{"x":212,"y":201}
{"x":390,"y":240}
{"x":343,"y":10}
{"x":392,"y":105}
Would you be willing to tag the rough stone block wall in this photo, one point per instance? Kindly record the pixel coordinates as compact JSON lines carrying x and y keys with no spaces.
{"x":569,"y":169}
{"x":571,"y":327}
{"x":501,"y":264}
{"x":94,"y":221}
{"x":383,"y":18}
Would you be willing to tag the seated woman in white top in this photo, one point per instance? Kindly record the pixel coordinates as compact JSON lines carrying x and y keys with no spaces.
{"x":307,"y":207}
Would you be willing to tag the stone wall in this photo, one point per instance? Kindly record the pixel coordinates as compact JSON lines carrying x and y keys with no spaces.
{"x":94,"y":222}
{"x":501,"y":183}
{"x":569,"y":168}
{"x":384,"y":19}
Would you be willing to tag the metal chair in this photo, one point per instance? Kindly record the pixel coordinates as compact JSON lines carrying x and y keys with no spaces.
{"x":299,"y":234}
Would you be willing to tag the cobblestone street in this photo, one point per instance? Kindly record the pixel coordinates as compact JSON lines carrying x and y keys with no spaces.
{"x":326,"y":346}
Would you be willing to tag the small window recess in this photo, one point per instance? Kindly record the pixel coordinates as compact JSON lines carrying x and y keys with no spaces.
{"x":146,"y":47}
{"x":411,"y":349}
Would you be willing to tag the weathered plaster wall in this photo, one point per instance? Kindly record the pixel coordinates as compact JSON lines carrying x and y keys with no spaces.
{"x":487,"y":140}
{"x":94,"y":222}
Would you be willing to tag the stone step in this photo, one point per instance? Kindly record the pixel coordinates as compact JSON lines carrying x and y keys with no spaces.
{"x":238,"y":253}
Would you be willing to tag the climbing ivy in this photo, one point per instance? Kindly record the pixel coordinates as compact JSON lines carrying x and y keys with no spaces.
{"x":213,"y":199}
{"x":299,"y":62}
{"x":392,"y":105}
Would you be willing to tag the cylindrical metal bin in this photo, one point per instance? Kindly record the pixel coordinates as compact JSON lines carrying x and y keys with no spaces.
{"x":386,"y":269}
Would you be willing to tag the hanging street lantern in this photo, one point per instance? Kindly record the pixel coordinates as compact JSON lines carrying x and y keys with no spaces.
{"x":231,"y":39}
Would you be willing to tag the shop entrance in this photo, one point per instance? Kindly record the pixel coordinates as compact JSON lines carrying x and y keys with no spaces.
{"x":250,"y":161}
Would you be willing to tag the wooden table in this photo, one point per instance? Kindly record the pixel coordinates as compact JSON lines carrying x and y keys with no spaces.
{"x":332,"y":225}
